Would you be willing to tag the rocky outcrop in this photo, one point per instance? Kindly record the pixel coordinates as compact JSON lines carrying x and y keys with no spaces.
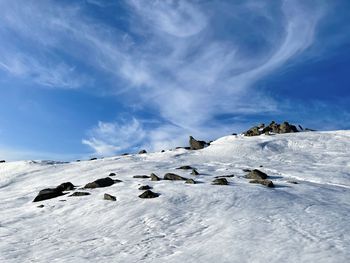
{"x":220,"y":181}
{"x":194,"y":172}
{"x":273,"y":127}
{"x":190,"y":181}
{"x":154,"y":177}
{"x":196,"y":145}
{"x":174,"y":177}
{"x":265,"y":182}
{"x":80,"y":194}
{"x":103,"y":182}
{"x":256,"y":174}
{"x":145,"y":187}
{"x":49,"y":193}
{"x":148,"y":194}
{"x":142,"y":151}
{"x":109,"y":197}
{"x":141,"y":176}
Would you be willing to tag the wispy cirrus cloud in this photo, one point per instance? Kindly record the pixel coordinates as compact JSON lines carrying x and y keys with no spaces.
{"x":185,"y":61}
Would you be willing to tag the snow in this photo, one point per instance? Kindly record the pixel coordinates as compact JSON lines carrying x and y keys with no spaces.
{"x":241,"y":222}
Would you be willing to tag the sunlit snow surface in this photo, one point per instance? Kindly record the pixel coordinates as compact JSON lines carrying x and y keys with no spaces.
{"x":242,"y":222}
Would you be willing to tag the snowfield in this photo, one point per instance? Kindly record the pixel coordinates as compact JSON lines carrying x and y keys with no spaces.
{"x":241,"y":222}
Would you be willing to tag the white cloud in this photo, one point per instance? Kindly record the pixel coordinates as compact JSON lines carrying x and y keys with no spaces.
{"x":177,"y":59}
{"x":108,"y":138}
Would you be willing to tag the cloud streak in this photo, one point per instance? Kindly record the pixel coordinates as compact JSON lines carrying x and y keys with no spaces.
{"x":185,"y":61}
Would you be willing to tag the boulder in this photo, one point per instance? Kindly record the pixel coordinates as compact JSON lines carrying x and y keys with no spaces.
{"x":109,"y":197}
{"x":154,"y":177}
{"x":48,"y":194}
{"x":265,"y":182}
{"x":141,"y":176}
{"x":194,"y":172}
{"x":2,"y":161}
{"x":185,"y":167}
{"x":285,"y":127}
{"x":93,"y":159}
{"x":190,"y":181}
{"x":112,"y":174}
{"x":148,"y":194}
{"x":145,"y":187}
{"x":80,"y":194}
{"x":196,"y":145}
{"x":225,"y":176}
{"x":174,"y":177}
{"x":142,"y":151}
{"x":103,"y":182}
{"x":68,"y":186}
{"x":256,"y":174}
{"x":220,"y":181}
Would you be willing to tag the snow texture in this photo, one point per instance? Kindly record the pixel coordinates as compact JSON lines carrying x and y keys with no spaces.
{"x":241,"y":222}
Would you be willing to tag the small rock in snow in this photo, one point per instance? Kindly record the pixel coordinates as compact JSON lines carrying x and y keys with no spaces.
{"x":174,"y":177}
{"x":256,"y":174}
{"x":148,"y":194}
{"x":145,"y":187}
{"x":265,"y":182}
{"x":220,"y":181}
{"x":109,"y":197}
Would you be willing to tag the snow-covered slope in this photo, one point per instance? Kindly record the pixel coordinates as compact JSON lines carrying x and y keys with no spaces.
{"x":241,"y":222}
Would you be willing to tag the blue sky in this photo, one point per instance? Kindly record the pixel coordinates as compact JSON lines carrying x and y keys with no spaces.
{"x":95,"y":78}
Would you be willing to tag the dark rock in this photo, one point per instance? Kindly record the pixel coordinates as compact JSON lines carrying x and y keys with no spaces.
{"x":190,"y":181}
{"x":285,"y":127}
{"x":148,"y":194}
{"x":194,"y":172}
{"x":246,"y":170}
{"x":174,"y":177}
{"x":103,"y":182}
{"x":234,"y":134}
{"x":40,"y":206}
{"x":225,"y":176}
{"x":265,"y":182}
{"x":145,"y":187}
{"x":252,"y":132}
{"x":292,"y":182}
{"x":68,"y":186}
{"x":109,"y":197}
{"x":77,"y":160}
{"x":154,"y":177}
{"x":142,"y":151}
{"x":2,"y":161}
{"x":125,"y":154}
{"x":112,"y":174}
{"x":162,"y":151}
{"x":196,"y":145}
{"x":141,"y":176}
{"x":93,"y":159}
{"x":273,"y":127}
{"x":185,"y":167}
{"x":48,"y":194}
{"x":80,"y":194}
{"x":300,"y":127}
{"x":256,"y":174}
{"x":220,"y":181}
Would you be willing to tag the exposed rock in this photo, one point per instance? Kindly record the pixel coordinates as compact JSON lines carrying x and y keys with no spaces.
{"x":154,"y":177}
{"x":112,"y":174}
{"x":148,"y":194}
{"x":103,"y":182}
{"x":246,"y":170}
{"x":162,"y":151}
{"x":196,"y":145}
{"x":194,"y":172}
{"x":77,"y":160}
{"x":145,"y":187}
{"x":292,"y":182}
{"x":273,"y":127}
{"x":220,"y":181}
{"x":93,"y":159}
{"x":125,"y":154}
{"x":185,"y":167}
{"x":2,"y":161}
{"x":142,"y":151}
{"x":48,"y":194}
{"x":40,"y":206}
{"x":256,"y":174}
{"x":190,"y":181}
{"x":225,"y":176}
{"x":109,"y":197}
{"x":80,"y":194}
{"x":265,"y":182}
{"x":68,"y":186}
{"x":174,"y":177}
{"x":141,"y":176}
